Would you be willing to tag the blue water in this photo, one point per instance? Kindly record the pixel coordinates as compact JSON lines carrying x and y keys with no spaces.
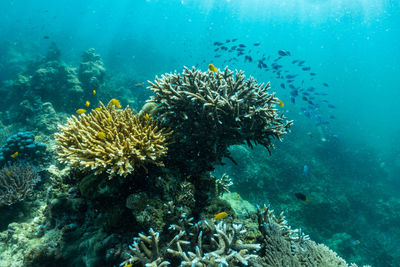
{"x":351,"y":45}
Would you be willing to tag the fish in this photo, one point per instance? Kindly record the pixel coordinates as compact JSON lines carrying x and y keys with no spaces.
{"x":94,"y":92}
{"x":238,"y":196}
{"x":301,"y":62}
{"x":98,"y":109}
{"x":242,"y":45}
{"x":216,"y":49}
{"x":283,"y":85}
{"x":256,"y":44}
{"x":291,"y":76}
{"x":301,"y":196}
{"x":224,"y":48}
{"x":46,"y":37}
{"x":128,"y":265}
{"x":87,"y":103}
{"x":228,"y":41}
{"x":81,"y":111}
{"x":109,"y":119}
{"x":295,"y":61}
{"x":212,"y":68}
{"x":292,"y":86}
{"x":101,"y":135}
{"x":325,"y":84}
{"x":304,"y":98}
{"x":115,"y":102}
{"x":220,"y":215}
{"x":355,"y":242}
{"x":293,"y":99}
{"x":217,"y":56}
{"x":331,"y":106}
{"x":14,"y":155}
{"x":248,"y":58}
{"x":306,"y":68}
{"x":283,"y":53}
{"x":234,"y":40}
{"x":280,"y":103}
{"x":306,"y":170}
{"x":218,"y":43}
{"x":313,"y":73}
{"x":139,"y":84}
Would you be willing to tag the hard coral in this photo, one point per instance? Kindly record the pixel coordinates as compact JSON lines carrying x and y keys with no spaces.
{"x":112,"y":140}
{"x":16,"y":182}
{"x":209,"y":111}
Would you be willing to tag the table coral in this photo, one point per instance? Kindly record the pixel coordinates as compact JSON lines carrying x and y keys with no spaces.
{"x":127,"y":141}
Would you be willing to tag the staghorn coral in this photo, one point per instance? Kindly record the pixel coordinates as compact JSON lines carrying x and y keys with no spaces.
{"x":111,"y":140}
{"x":209,"y":111}
{"x":16,"y":182}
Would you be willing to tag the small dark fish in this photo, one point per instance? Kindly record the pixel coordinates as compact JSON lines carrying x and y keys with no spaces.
{"x":331,"y":106}
{"x":276,"y":59}
{"x":301,"y":196}
{"x":294,"y":61}
{"x":46,"y":37}
{"x":304,"y":98}
{"x":292,"y":86}
{"x":234,"y":47}
{"x":293,"y":99}
{"x":248,"y":58}
{"x":332,"y":117}
{"x":256,"y":44}
{"x":325,"y":84}
{"x":290,"y":76}
{"x":305,"y":93}
{"x":301,"y":62}
{"x":234,"y":40}
{"x":323,"y":93}
{"x":218,"y":43}
{"x":240,"y":49}
{"x":227,"y":41}
{"x":217,"y":56}
{"x":264,"y":65}
{"x":312,"y":74}
{"x":283,"y":85}
{"x":242,"y":45}
{"x":311,"y":89}
{"x":240,"y":54}
{"x":224,"y":48}
{"x":307,"y":113}
{"x":216,"y":49}
{"x":290,"y":81}
{"x":283,"y":53}
{"x":310,"y":102}
{"x":306,"y":68}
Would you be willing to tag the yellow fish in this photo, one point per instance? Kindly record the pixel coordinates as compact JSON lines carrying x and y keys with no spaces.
{"x":81,"y":111}
{"x":139,"y":84}
{"x":281,"y":103}
{"x":146,"y":117}
{"x":94,"y":92}
{"x":87,"y":103}
{"x":211,"y":67}
{"x":98,"y":109}
{"x":101,"y":135}
{"x":109,"y":119}
{"x":115,"y":102}
{"x":220,"y":215}
{"x":9,"y":172}
{"x":129,"y":265}
{"x":14,"y":155}
{"x":238,"y":195}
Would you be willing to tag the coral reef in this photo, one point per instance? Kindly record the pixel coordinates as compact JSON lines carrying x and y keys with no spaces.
{"x":16,"y":182}
{"x":22,"y":146}
{"x":91,"y":71}
{"x":209,"y":111}
{"x":112,"y":140}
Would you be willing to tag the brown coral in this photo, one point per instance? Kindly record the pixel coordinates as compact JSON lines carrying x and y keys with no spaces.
{"x":112,"y":140}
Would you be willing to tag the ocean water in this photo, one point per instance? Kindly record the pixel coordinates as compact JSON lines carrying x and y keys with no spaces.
{"x":342,"y":152}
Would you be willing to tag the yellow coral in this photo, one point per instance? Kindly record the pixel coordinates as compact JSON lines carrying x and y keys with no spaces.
{"x":130,"y":142}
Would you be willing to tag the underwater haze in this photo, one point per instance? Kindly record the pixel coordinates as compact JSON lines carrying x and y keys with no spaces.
{"x":333,"y":65}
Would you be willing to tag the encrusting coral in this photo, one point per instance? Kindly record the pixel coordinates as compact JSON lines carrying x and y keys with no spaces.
{"x":112,"y":140}
{"x":209,"y":111}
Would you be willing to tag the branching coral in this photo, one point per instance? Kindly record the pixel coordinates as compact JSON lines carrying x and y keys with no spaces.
{"x":211,"y":111}
{"x":112,"y":140}
{"x":16,"y":182}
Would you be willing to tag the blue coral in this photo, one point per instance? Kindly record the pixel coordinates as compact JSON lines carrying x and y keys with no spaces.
{"x":28,"y":150}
